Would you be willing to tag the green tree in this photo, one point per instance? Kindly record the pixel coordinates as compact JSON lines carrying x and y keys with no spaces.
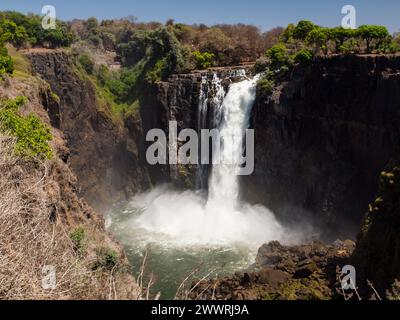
{"x":203,"y":60}
{"x":278,"y":55}
{"x":6,"y":63}
{"x":372,"y":32}
{"x":158,"y":50}
{"x":304,"y":57}
{"x":287,"y":34}
{"x":340,"y":35}
{"x":13,"y":33}
{"x":319,"y":39}
{"x":32,"y":135}
{"x":302,"y":29}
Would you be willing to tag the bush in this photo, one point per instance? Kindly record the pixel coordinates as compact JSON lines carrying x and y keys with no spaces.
{"x":319,"y":38}
{"x":77,"y":237}
{"x":107,"y":259}
{"x":302,"y":29}
{"x":6,"y":65}
{"x":86,"y":62}
{"x":32,"y":135}
{"x":304,"y":57}
{"x":203,"y":60}
{"x":11,"y":32}
{"x":265,"y":85}
{"x":349,"y":47}
{"x":279,"y":56}
{"x":372,"y":32}
{"x":29,"y":28}
{"x":262,"y":64}
{"x":389,"y":47}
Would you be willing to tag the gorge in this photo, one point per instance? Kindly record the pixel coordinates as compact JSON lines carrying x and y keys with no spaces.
{"x":321,"y":140}
{"x":211,"y":226}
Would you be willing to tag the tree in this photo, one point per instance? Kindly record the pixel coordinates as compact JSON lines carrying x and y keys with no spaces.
{"x":13,"y":33}
{"x":302,"y":29}
{"x":287,"y":34}
{"x":6,"y":65}
{"x":304,"y":57}
{"x":278,"y":55}
{"x":92,"y":24}
{"x":216,"y":42}
{"x":372,"y":32}
{"x":203,"y":60}
{"x":340,"y":35}
{"x":319,"y":39}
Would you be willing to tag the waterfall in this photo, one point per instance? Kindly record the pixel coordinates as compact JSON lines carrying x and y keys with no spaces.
{"x":187,"y":218}
{"x":216,"y":91}
{"x":185,"y":230}
{"x":235,"y":112}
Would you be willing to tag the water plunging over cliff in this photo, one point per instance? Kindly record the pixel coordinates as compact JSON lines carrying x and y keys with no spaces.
{"x":186,"y":218}
{"x":187,"y":229}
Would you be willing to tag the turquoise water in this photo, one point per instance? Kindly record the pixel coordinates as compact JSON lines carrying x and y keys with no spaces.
{"x":169,"y":261}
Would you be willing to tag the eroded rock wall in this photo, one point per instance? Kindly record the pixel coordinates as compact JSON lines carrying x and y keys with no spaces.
{"x":105,"y":153}
{"x":322,"y":139}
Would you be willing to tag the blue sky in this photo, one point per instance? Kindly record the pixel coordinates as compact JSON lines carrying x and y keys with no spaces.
{"x":262,"y":13}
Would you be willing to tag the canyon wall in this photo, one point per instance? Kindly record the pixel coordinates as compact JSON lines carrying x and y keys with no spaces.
{"x":104,"y":152}
{"x":323,"y":137}
{"x":52,"y":213}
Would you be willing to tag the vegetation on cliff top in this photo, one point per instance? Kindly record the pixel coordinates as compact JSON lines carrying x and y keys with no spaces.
{"x":32,"y":135}
{"x":300,"y":43}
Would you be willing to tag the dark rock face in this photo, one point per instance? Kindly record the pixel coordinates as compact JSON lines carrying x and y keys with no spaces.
{"x":283,"y":273}
{"x":323,"y":137}
{"x":105,"y":154}
{"x":377,"y":257}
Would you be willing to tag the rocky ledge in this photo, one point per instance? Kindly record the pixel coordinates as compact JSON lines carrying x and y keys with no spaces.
{"x":283,"y":273}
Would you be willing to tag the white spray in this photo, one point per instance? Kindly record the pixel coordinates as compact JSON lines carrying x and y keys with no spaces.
{"x":186,"y":219}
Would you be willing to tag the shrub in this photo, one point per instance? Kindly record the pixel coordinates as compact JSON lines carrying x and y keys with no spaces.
{"x":265,"y":85}
{"x":107,"y":259}
{"x":340,"y":35}
{"x":13,"y":33}
{"x":262,"y":64}
{"x":304,"y":57}
{"x":6,"y":65}
{"x":32,"y":135}
{"x":372,"y":32}
{"x":86,"y":62}
{"x":389,"y":47}
{"x":77,"y":237}
{"x":302,"y":29}
{"x":203,"y":60}
{"x":279,"y":56}
{"x":319,"y":39}
{"x":349,"y":46}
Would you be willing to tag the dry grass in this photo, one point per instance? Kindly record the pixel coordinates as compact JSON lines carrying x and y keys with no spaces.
{"x":30,"y":241}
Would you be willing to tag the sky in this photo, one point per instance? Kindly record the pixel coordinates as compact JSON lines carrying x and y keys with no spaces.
{"x":265,"y":14}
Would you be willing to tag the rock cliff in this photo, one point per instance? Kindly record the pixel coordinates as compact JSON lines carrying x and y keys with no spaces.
{"x":104,"y":153}
{"x":322,"y":139}
{"x":48,"y":223}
